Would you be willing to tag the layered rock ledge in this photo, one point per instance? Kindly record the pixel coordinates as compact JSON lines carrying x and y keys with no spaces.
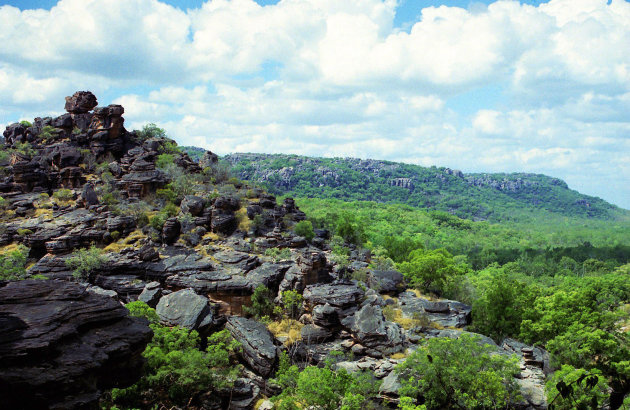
{"x":61,"y":346}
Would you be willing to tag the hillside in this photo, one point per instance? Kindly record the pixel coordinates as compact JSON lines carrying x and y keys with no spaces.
{"x":478,"y":196}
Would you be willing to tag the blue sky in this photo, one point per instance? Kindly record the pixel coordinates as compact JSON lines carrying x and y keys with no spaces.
{"x":504,"y":86}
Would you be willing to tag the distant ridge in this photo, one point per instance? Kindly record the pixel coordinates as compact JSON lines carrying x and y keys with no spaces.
{"x":477,"y":196}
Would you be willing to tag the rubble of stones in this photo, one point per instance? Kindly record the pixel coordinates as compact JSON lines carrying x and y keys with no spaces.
{"x":202,"y":267}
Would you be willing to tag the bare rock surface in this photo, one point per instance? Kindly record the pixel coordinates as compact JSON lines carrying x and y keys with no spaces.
{"x":258,"y":349}
{"x":61,"y":346}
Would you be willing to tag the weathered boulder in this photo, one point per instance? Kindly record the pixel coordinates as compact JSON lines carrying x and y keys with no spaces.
{"x":338,"y":294}
{"x":267,"y":274}
{"x":258,"y":349}
{"x":171,"y":230}
{"x":208,"y":159}
{"x":61,"y":346}
{"x":187,"y":309}
{"x":81,"y":102}
{"x":370,"y":329}
{"x":386,"y":281}
{"x":325,"y":316}
{"x":193,"y":205}
{"x":447,"y":313}
{"x":151,"y":294}
{"x":88,"y":195}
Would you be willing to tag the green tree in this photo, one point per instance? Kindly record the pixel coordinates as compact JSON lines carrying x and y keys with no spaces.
{"x":350,"y":228}
{"x":459,"y":373}
{"x":151,"y":130}
{"x":292,"y":303}
{"x":432,"y":270}
{"x":262,"y":302}
{"x":305,"y":229}
{"x":571,"y":388}
{"x":498,"y":311}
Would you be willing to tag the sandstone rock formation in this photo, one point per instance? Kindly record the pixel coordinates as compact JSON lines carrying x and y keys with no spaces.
{"x":62,"y":346}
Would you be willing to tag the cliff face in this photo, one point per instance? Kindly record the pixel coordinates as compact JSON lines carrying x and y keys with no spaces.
{"x":474,"y":196}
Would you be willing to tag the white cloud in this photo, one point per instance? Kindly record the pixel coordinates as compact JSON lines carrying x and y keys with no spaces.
{"x":329,"y":77}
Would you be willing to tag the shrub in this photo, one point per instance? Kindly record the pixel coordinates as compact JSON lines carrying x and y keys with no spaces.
{"x":109,"y":198}
{"x":262,"y":302}
{"x":461,"y":373}
{"x":24,"y":232}
{"x":305,"y":229}
{"x":167,"y":194}
{"x":432,"y":271}
{"x":323,"y":388}
{"x":164,"y":160}
{"x":63,"y":194}
{"x":3,"y":203}
{"x":151,"y":130}
{"x":13,"y":262}
{"x":278,"y":254}
{"x":175,"y":366}
{"x":292,"y":303}
{"x":24,"y":148}
{"x":236,"y":182}
{"x":26,"y":123}
{"x":157,"y":221}
{"x":48,"y":133}
{"x":84,"y":262}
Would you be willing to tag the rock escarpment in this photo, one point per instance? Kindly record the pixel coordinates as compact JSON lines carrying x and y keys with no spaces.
{"x":62,"y":346}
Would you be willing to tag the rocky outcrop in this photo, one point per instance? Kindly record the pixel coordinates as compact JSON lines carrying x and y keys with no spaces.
{"x":61,"y":346}
{"x":447,"y":313}
{"x":81,"y":102}
{"x":258,"y":349}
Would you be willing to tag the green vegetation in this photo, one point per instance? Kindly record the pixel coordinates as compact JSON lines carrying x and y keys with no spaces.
{"x":576,"y":389}
{"x":458,"y":373}
{"x":305,"y":229}
{"x":434,"y":271}
{"x":262,"y":303}
{"x":496,"y":197}
{"x":13,"y":263}
{"x":151,"y":130}
{"x":84,"y":262}
{"x":177,"y":371}
{"x":538,"y":245}
{"x":323,"y":388}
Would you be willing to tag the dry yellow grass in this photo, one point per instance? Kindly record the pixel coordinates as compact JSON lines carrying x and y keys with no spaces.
{"x":9,"y":248}
{"x":289,"y":328}
{"x":396,"y":356}
{"x":48,"y":213}
{"x":130,"y":240}
{"x":243,"y":221}
{"x":211,"y":236}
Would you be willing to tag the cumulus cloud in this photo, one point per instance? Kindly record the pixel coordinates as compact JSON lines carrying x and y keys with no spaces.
{"x":337,"y":78}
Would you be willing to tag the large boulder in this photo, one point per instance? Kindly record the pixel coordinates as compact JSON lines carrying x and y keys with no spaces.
{"x":340,"y":294}
{"x":370,"y":329}
{"x":61,"y":346}
{"x":258,"y":349}
{"x":187,"y":309}
{"x":386,"y":281}
{"x":81,"y":102}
